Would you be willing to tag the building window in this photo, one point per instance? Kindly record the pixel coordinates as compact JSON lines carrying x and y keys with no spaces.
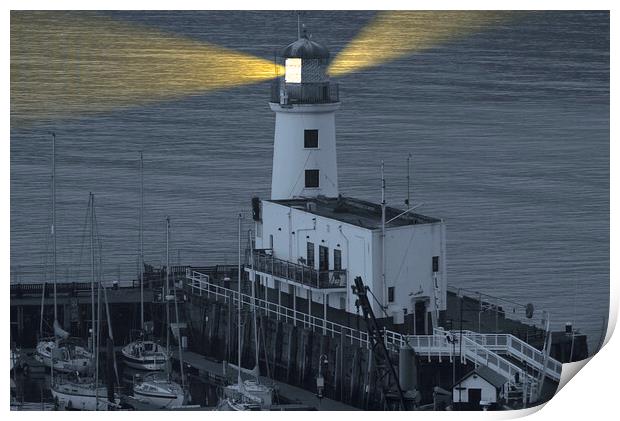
{"x":390,"y":294}
{"x":311,"y":138}
{"x":337,"y":259}
{"x":343,"y":303}
{"x":435,"y":263}
{"x":312,"y":178}
{"x":310,"y":254}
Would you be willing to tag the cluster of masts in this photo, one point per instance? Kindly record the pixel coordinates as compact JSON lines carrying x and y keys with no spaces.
{"x":74,"y":367}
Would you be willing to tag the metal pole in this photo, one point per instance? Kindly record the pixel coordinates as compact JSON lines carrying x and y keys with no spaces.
{"x":460,"y":344}
{"x":176,"y":315}
{"x":239,"y":304}
{"x":54,"y":221}
{"x":97,"y":348}
{"x":408,"y":201}
{"x":92,"y":267}
{"x":383,"y":235}
{"x":142,"y":243}
{"x":166,"y":290}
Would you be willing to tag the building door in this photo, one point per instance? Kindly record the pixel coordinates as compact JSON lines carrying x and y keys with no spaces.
{"x":420,"y":318}
{"x":474,"y":396}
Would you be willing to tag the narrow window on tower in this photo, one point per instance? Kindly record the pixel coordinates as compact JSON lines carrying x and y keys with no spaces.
{"x":391,"y":294}
{"x":312,"y":178}
{"x":310,"y":254}
{"x":435,"y":263}
{"x":311,"y":138}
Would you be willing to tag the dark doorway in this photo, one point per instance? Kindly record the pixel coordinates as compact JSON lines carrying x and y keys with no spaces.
{"x":420,"y":317}
{"x":323,"y":264}
{"x":474,"y":396}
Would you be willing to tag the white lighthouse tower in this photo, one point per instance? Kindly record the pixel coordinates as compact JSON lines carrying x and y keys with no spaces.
{"x":305,"y":103}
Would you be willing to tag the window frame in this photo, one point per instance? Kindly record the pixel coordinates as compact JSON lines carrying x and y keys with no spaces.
{"x":306,"y":140}
{"x":318,"y":178}
{"x":310,"y":247}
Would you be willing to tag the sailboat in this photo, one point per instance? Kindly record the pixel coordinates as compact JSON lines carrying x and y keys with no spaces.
{"x":248,"y":395}
{"x":142,"y":353}
{"x":157,"y":391}
{"x":59,"y":352}
{"x":74,"y":391}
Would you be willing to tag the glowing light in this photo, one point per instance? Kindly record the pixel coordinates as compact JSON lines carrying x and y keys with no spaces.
{"x":293,"y":70}
{"x":396,"y":34}
{"x":68,"y":63}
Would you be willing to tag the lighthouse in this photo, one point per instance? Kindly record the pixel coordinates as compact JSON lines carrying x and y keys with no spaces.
{"x":305,"y":103}
{"x":310,"y":242}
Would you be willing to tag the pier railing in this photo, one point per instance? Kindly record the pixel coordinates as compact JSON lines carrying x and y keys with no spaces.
{"x":200,"y":284}
{"x":442,"y":344}
{"x":305,"y":275}
{"x":515,"y":347}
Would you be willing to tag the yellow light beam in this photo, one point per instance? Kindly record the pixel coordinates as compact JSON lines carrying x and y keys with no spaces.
{"x":70,"y":63}
{"x":395,"y":34}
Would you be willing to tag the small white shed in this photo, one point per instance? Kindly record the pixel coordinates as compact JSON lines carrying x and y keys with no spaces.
{"x":480,"y":387}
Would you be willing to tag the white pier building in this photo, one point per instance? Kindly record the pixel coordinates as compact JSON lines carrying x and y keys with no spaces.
{"x":312,"y":242}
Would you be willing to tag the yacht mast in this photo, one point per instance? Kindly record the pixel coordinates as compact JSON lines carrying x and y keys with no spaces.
{"x":91,"y":204}
{"x":239,"y":309}
{"x":176,"y":315}
{"x":166,"y":292}
{"x":141,"y":259}
{"x":53,"y":231}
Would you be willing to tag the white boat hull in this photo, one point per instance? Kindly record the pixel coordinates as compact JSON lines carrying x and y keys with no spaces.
{"x":77,"y":360}
{"x":159,"y":402}
{"x":145,"y":355}
{"x":159,"y":393}
{"x":69,"y":398}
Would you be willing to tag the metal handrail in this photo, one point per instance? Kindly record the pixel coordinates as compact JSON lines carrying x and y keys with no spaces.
{"x":519,"y":349}
{"x":200,"y":283}
{"x":436,"y":344}
{"x":302,"y":274}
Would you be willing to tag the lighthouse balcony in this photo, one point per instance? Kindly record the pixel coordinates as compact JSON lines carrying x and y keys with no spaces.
{"x":304,"y":93}
{"x":264,"y":261}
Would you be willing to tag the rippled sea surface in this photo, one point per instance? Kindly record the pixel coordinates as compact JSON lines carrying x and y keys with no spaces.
{"x":508,"y":127}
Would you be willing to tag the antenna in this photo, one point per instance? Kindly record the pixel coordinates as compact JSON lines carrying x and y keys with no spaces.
{"x":383,"y":234}
{"x":408,"y":201}
{"x":298,"y":24}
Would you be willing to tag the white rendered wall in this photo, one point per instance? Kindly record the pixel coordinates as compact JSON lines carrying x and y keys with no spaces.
{"x":488,"y":391}
{"x":354,"y":242}
{"x":291,"y":159}
{"x":409,"y":252}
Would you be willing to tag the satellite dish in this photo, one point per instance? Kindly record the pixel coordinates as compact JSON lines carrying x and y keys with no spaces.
{"x":529,"y":310}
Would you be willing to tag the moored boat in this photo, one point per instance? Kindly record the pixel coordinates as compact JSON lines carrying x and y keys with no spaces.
{"x":158,"y":392}
{"x":77,"y":393}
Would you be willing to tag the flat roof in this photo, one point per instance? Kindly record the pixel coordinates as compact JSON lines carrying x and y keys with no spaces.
{"x":355,"y":211}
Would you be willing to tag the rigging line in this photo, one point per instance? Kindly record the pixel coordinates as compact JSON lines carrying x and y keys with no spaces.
{"x":300,"y":173}
{"x":84,"y":228}
{"x":377,"y":301}
{"x":402,"y":263}
{"x":99,"y":245}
